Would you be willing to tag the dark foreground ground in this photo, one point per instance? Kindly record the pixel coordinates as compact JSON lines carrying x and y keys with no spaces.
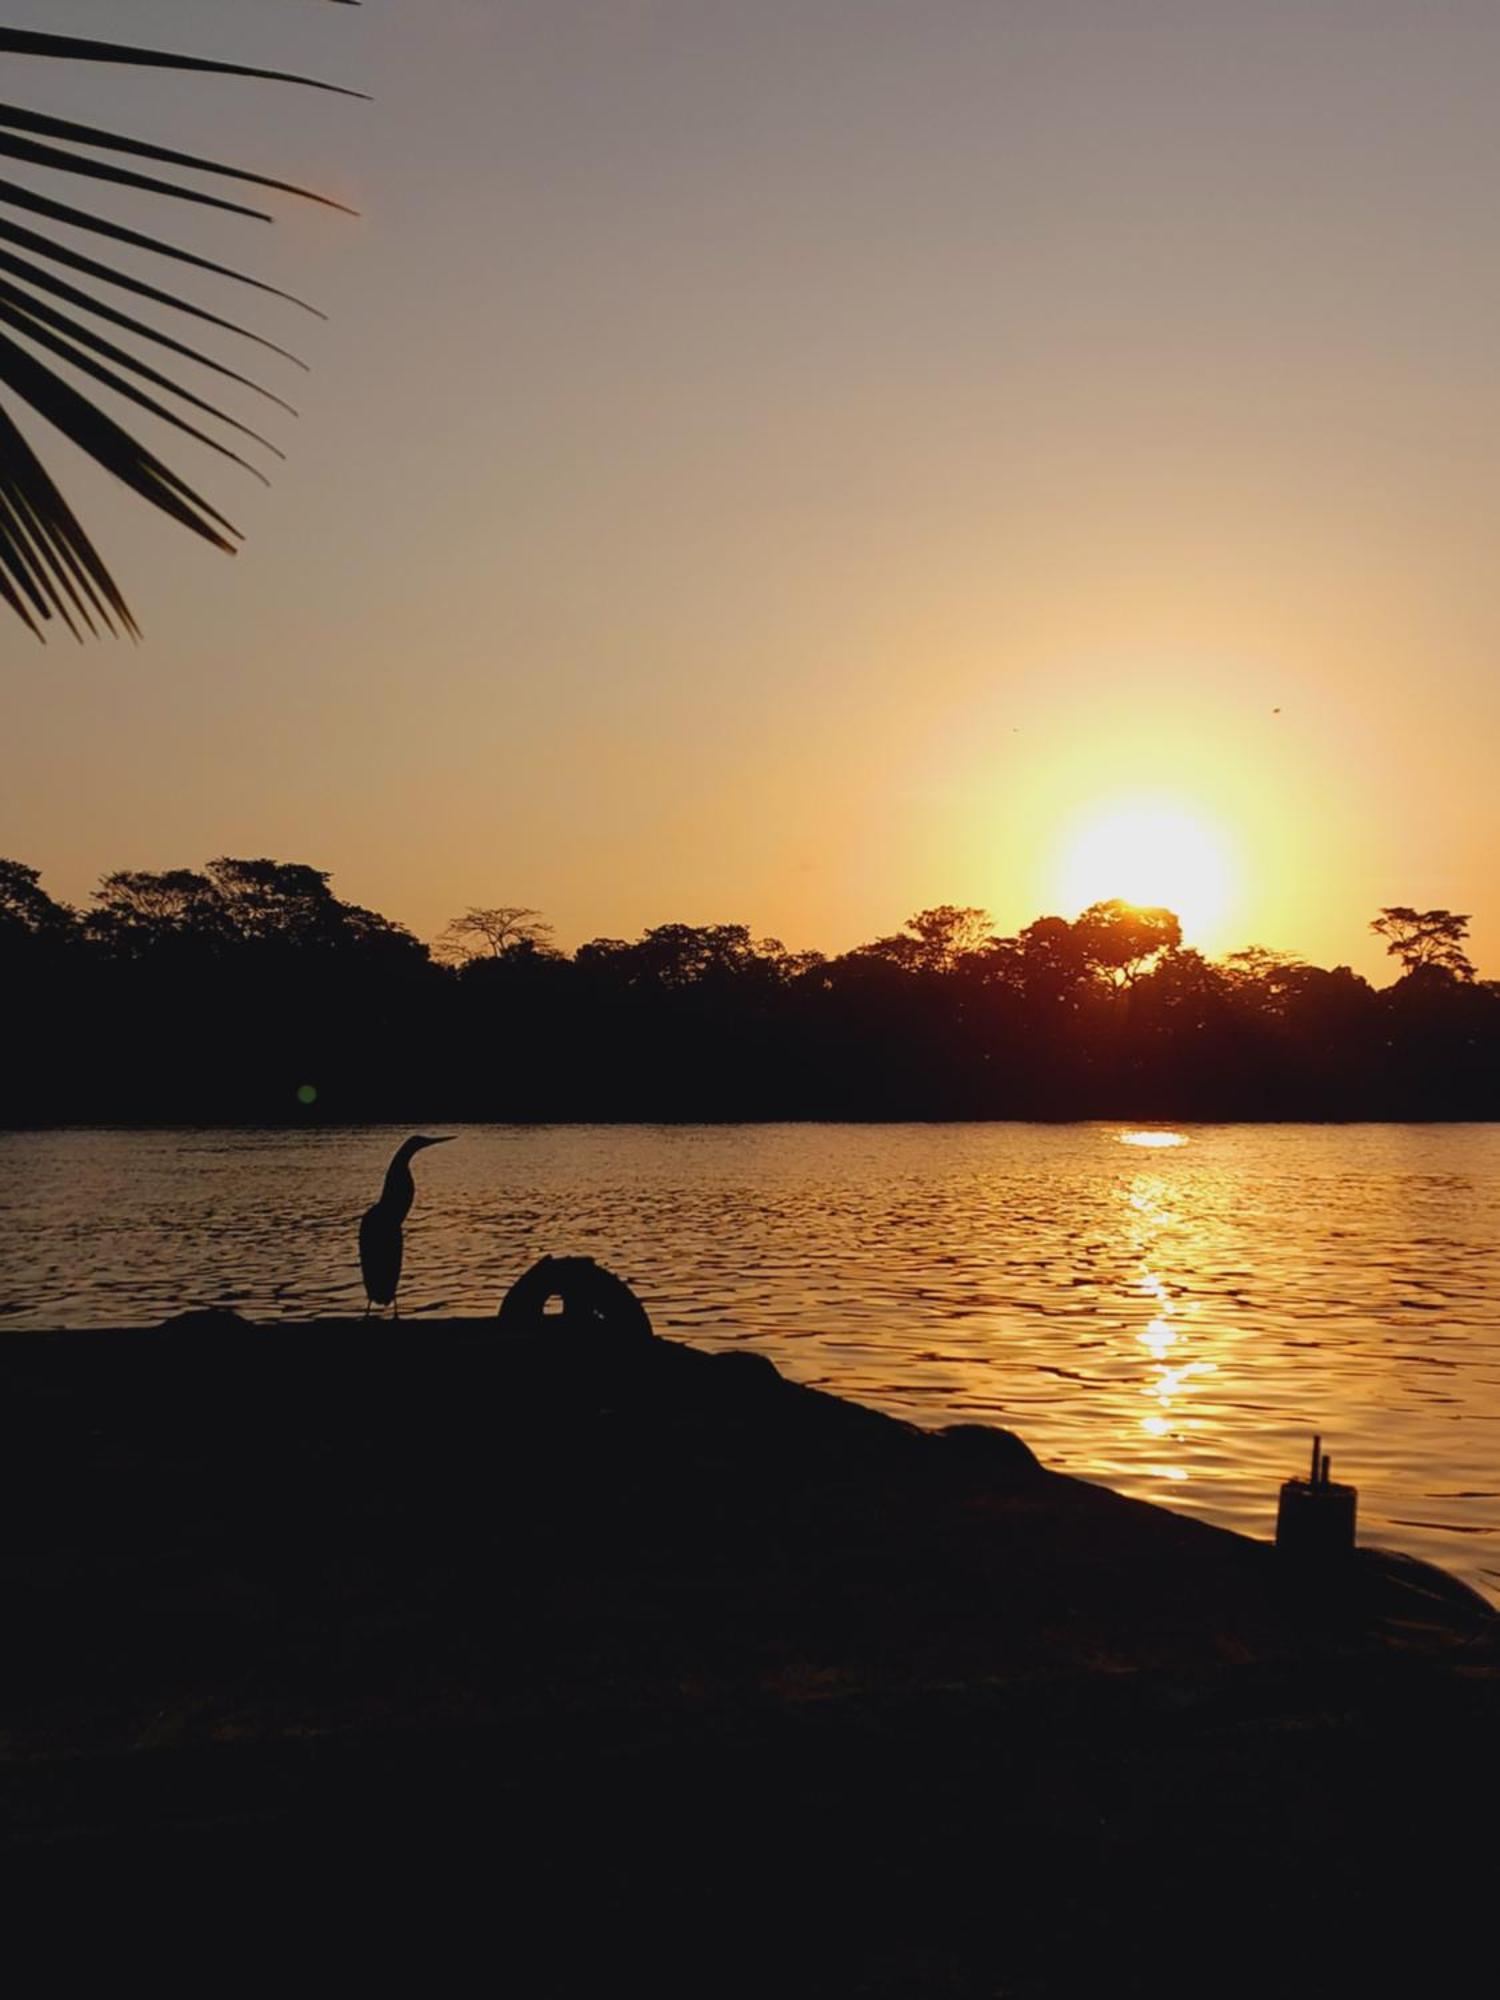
{"x":439,"y":1657}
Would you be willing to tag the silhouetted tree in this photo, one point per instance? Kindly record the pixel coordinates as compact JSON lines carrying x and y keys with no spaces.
{"x":1122,"y":938}
{"x":1051,"y":962}
{"x":1261,"y":979}
{"x":934,"y":940}
{"x":488,"y":933}
{"x":139,"y":911}
{"x":27,"y":912}
{"x":676,"y":956}
{"x":1425,"y":940}
{"x":949,"y":933}
{"x":276,"y":902}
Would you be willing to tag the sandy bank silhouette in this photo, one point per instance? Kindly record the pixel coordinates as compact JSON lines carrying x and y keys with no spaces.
{"x":665,"y":1669}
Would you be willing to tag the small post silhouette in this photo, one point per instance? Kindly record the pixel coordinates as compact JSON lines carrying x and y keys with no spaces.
{"x":1315,"y":1518}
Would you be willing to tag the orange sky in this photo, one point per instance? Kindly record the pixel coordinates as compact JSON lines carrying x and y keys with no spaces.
{"x":802,"y":462}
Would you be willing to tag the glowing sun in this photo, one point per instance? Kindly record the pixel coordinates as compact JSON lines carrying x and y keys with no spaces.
{"x":1153,"y":854}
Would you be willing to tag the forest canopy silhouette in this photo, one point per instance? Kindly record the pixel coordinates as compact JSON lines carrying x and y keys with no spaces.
{"x":248,"y":991}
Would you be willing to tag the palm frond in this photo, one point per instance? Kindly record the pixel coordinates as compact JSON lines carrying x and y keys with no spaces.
{"x":44,"y":552}
{"x":73,"y":260}
{"x":48,"y":281}
{"x":72,"y":133}
{"x":81,"y":48}
{"x":49,"y":568}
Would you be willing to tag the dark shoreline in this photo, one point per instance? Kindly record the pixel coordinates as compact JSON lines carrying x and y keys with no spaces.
{"x":409,"y":1119}
{"x":684,"y":1672}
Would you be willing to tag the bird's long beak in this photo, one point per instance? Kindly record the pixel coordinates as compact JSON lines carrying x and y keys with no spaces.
{"x":446,"y":1139}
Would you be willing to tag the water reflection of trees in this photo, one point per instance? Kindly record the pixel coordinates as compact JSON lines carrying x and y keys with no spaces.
{"x":248,"y":989}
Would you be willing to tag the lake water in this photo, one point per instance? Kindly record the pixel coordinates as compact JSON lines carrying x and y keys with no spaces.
{"x":1173,"y":1312}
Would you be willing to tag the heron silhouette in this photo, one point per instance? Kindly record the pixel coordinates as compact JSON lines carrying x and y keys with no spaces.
{"x":380,"y":1227}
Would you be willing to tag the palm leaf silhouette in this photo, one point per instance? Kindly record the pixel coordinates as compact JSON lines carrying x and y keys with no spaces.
{"x":60,"y":305}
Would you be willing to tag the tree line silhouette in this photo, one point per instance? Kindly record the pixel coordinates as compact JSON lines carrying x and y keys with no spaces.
{"x":248,"y":992}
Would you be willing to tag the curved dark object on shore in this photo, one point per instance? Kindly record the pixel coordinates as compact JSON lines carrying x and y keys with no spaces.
{"x":380,"y":1238}
{"x":593,"y":1301}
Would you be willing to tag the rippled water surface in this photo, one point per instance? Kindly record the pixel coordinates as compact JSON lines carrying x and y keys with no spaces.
{"x":1170,"y":1312}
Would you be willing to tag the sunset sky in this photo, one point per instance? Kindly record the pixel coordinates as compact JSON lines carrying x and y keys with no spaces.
{"x":797,"y":461}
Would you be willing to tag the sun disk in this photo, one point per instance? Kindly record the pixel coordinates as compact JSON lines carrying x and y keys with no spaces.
{"x":1155,"y":856}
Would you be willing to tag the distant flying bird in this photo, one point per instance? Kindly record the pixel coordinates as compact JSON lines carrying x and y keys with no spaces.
{"x":380,"y":1228}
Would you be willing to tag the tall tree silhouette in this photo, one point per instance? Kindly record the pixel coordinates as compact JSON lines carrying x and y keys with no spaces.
{"x":1123,"y":938}
{"x":53,"y":299}
{"x":26,"y":910}
{"x":491,"y":933}
{"x":1425,"y":940}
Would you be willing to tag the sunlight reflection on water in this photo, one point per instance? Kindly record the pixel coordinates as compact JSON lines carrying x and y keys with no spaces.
{"x":1171,"y":1312}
